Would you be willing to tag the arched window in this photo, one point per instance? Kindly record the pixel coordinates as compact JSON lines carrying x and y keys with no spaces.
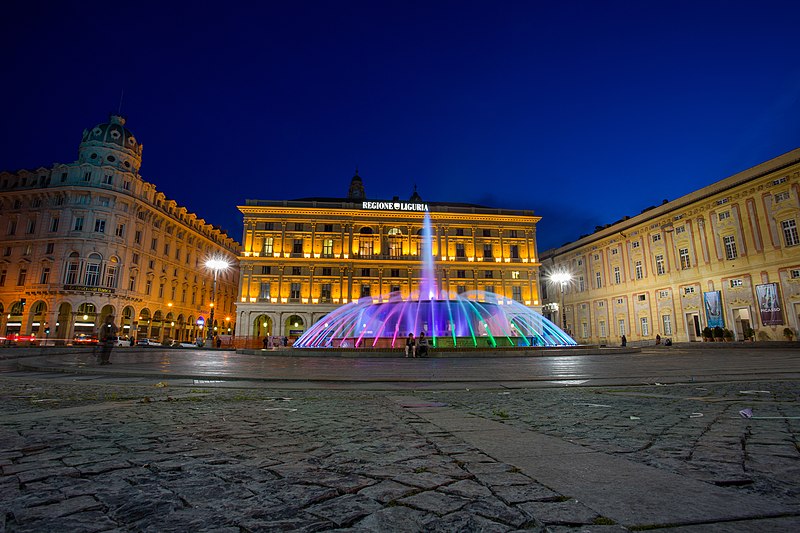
{"x":92,"y":276}
{"x":71,"y":272}
{"x":111,"y":273}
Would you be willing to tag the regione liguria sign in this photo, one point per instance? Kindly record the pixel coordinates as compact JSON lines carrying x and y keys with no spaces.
{"x":394,"y":206}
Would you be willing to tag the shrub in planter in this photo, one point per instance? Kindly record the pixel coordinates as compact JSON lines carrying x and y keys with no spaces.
{"x":749,"y":333}
{"x":707,"y":334}
{"x":718,"y":334}
{"x":727,"y":335}
{"x":788,"y":333}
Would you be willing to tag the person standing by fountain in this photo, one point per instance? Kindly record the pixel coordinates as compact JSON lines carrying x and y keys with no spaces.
{"x":411,"y":345}
{"x":423,"y":344}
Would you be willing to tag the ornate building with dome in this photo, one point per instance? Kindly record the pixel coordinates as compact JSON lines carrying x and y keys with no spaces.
{"x":88,"y":239}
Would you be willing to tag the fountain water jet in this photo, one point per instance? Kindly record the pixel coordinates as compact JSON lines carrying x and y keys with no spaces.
{"x":471,"y":319}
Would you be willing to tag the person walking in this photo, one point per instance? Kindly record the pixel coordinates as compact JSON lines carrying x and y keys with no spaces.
{"x":108,"y":336}
{"x":423,"y":344}
{"x":624,"y":340}
{"x":411,"y":345}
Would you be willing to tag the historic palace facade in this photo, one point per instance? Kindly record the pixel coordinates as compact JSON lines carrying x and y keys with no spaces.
{"x":727,"y":256}
{"x":84,"y":240}
{"x":302,"y":259}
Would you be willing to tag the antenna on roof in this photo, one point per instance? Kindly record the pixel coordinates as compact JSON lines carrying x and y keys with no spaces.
{"x":121,"y":94}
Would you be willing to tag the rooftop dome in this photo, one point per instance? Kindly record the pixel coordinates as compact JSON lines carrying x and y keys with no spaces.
{"x":111,"y":143}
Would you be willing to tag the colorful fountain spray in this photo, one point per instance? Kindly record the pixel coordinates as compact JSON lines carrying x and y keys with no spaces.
{"x":471,"y":319}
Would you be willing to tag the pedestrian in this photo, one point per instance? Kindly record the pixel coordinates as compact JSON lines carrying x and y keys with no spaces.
{"x":285,"y":340}
{"x":108,"y":336}
{"x":266,"y":342}
{"x":624,"y":340}
{"x":411,"y":345}
{"x":423,"y":344}
{"x":658,"y":339}
{"x":219,"y":342}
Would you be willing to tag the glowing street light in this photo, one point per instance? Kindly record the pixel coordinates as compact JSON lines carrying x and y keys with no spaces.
{"x":216,"y":265}
{"x":562,"y":277}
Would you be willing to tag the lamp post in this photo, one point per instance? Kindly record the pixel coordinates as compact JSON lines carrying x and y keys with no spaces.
{"x":215,"y":265}
{"x":562,"y":278}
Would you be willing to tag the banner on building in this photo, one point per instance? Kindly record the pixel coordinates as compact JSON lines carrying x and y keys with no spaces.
{"x":713,"y":303}
{"x":769,"y":304}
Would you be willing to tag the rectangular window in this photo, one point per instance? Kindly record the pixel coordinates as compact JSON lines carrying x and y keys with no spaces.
{"x":790,"y":232}
{"x":126,"y":185}
{"x":686,"y":263}
{"x":108,"y":180}
{"x":148,"y":287}
{"x":31,"y":226}
{"x":581,"y":285}
{"x":584,"y":329}
{"x":297,"y":246}
{"x":50,"y":248}
{"x":325,"y":293}
{"x":656,"y":237}
{"x":268,"y":242}
{"x":365,"y":247}
{"x":151,"y":264}
{"x":92,"y":274}
{"x":328,"y":228}
{"x":23,"y":273}
{"x":514,"y":251}
{"x":635,"y":244}
{"x":688,"y":290}
{"x":135,"y":258}
{"x":614,"y":251}
{"x":795,"y":274}
{"x":663,"y":294}
{"x":461,"y":273}
{"x":111,"y":276}
{"x":459,"y":232}
{"x":737,"y":282}
{"x":461,"y":289}
{"x":297,"y":271}
{"x":642,"y":297}
{"x":602,"y":325}
{"x":154,"y":244}
{"x":516,"y":294}
{"x":666,"y":320}
{"x":100,"y":226}
{"x":327,"y":271}
{"x":161,"y":290}
{"x":601,"y":304}
{"x":28,"y":249}
{"x":513,"y":233}
{"x":54,"y":225}
{"x":487,"y":250}
{"x":3,"y":274}
{"x":266,"y":270}
{"x":620,"y":301}
{"x":617,"y":276}
{"x":87,"y":176}
{"x":487,"y":233}
{"x":730,"y":247}
{"x":395,"y":273}
{"x":660,"y":266}
{"x":598,"y":280}
{"x":294,"y":291}
{"x":645,"y":327}
{"x":120,"y":231}
{"x":488,"y":274}
{"x":680,"y":229}
{"x":264,"y":291}
{"x":621,"y":326}
{"x":365,"y":272}
{"x":724,"y":215}
{"x":781,"y":196}
{"x":178,"y":254}
{"x":45,"y":277}
{"x":460,"y":250}
{"x":132,"y":283}
{"x":298,"y":226}
{"x":137,"y":237}
{"x":638,"y":269}
{"x":366,"y":290}
{"x":327,"y":248}
{"x":78,"y":224}
{"x":515,"y":274}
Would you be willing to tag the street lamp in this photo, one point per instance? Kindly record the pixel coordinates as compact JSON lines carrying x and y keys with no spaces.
{"x":562,"y":277}
{"x":216,"y":265}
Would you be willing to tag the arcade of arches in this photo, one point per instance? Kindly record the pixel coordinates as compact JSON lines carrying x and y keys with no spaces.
{"x":72,"y":319}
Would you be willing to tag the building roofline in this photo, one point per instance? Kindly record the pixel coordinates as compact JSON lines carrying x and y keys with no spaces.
{"x":762,"y":169}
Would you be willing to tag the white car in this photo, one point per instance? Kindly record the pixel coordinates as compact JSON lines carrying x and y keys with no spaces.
{"x":148,"y":342}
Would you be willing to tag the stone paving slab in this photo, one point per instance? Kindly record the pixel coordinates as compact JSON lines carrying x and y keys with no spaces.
{"x":624,"y":491}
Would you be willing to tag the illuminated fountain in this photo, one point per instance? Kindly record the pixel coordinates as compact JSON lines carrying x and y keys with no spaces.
{"x":471,"y":319}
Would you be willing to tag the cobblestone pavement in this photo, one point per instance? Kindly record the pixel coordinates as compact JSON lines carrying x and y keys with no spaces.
{"x":116,"y":457}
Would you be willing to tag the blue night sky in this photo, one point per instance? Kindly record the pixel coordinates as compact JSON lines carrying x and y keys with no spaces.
{"x":582,"y":111}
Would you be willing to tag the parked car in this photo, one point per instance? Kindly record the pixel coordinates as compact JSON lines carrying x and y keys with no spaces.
{"x":148,"y":342}
{"x":121,"y":341}
{"x":184,"y":345}
{"x":84,"y":338}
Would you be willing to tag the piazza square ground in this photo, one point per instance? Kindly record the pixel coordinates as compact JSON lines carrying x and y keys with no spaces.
{"x":685,"y":438}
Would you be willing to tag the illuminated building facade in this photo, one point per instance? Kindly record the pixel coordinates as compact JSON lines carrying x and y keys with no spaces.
{"x":303,"y":258}
{"x":83,"y":240}
{"x":727,"y":255}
